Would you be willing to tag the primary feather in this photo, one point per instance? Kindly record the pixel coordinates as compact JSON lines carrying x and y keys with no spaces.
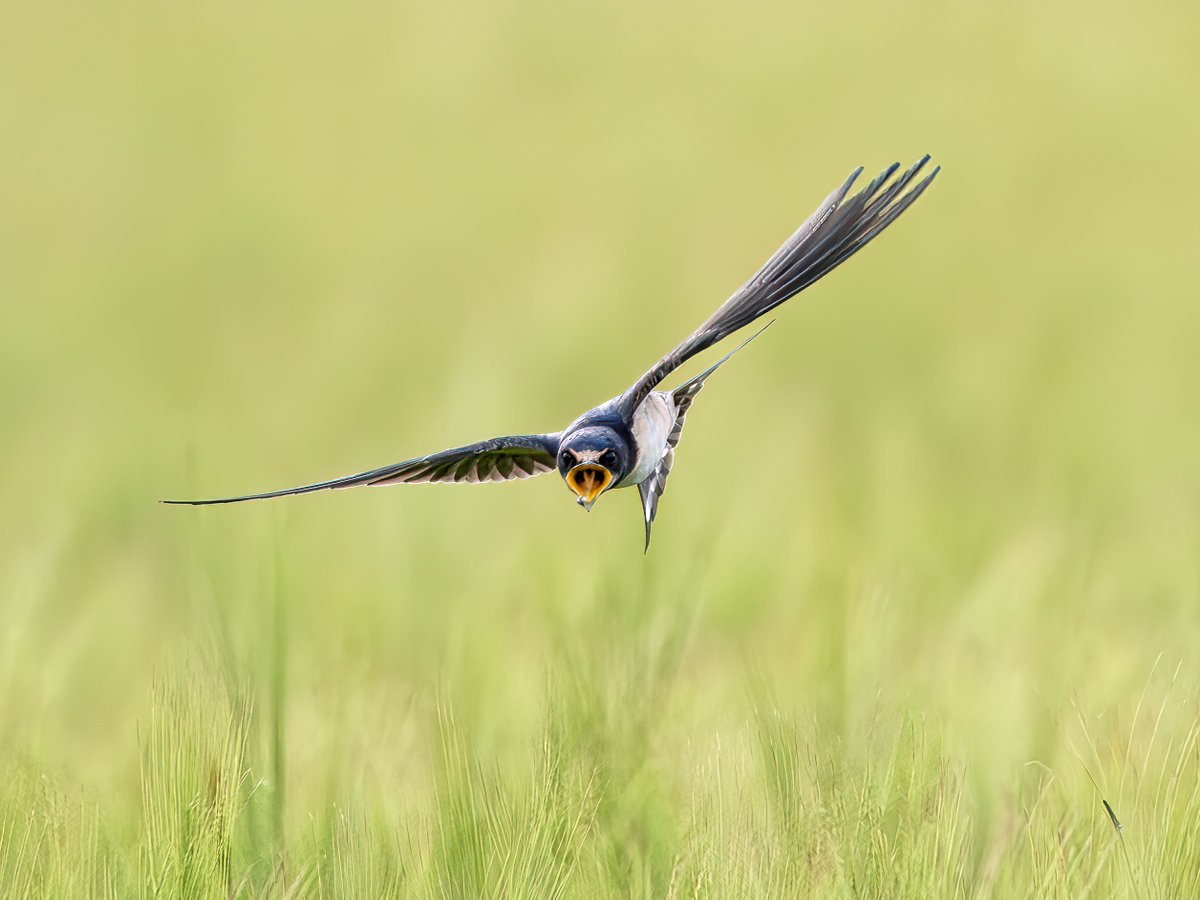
{"x":498,"y":459}
{"x":830,"y":236}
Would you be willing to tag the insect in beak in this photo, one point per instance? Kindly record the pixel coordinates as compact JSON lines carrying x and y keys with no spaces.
{"x":588,"y":481}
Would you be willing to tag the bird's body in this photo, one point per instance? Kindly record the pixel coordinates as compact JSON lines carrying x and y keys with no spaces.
{"x":631,"y":439}
{"x":651,"y":426}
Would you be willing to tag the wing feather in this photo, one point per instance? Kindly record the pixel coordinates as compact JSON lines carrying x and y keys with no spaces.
{"x":837,"y":230}
{"x":498,"y":459}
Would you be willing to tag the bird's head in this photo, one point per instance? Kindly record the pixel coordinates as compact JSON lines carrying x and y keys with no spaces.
{"x":591,"y":461}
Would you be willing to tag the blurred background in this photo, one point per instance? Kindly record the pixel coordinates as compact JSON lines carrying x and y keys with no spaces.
{"x":957,"y":582}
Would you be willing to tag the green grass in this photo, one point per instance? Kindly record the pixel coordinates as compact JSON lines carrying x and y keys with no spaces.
{"x":909,"y":651}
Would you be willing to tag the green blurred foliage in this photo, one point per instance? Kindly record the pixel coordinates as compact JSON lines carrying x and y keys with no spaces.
{"x":926,"y":585}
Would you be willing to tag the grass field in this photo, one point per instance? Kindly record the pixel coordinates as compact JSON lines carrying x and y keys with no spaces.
{"x":924,"y":593}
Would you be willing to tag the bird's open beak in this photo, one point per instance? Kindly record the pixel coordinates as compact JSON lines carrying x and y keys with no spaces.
{"x":588,"y":481}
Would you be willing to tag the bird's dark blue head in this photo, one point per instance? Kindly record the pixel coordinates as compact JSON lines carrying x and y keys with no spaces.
{"x":593,"y":459}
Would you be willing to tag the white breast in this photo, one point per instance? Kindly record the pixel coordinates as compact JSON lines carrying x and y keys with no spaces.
{"x":652,"y":424}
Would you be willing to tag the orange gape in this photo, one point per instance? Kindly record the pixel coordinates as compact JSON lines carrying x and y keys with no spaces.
{"x":588,"y":481}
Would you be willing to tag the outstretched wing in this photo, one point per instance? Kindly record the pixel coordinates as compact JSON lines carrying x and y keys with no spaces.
{"x":832,"y":234}
{"x":499,"y":459}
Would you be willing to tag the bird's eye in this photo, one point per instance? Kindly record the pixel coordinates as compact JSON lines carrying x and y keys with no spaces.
{"x":608,"y":459}
{"x":566,"y":458}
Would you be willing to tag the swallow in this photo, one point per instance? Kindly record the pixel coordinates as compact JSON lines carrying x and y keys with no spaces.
{"x":631,"y":439}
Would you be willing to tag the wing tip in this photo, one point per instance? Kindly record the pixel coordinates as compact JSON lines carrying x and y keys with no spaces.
{"x":919,"y":188}
{"x":205,"y":502}
{"x":922,"y":163}
{"x":224,"y":500}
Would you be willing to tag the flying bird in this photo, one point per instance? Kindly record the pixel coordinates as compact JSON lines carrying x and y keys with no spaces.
{"x":631,"y":439}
